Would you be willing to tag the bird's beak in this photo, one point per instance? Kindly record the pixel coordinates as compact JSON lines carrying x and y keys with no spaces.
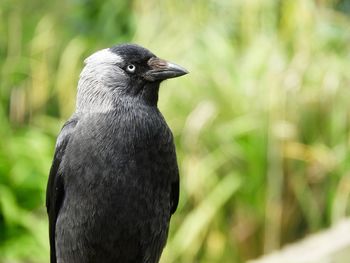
{"x":162,"y":69}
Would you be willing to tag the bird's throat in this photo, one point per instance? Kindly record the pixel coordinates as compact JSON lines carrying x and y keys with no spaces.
{"x":150,"y":93}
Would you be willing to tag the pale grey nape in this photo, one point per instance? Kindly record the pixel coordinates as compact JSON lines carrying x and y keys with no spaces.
{"x":100,"y":74}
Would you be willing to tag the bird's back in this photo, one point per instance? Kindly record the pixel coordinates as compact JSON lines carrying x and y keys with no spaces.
{"x":118,"y":172}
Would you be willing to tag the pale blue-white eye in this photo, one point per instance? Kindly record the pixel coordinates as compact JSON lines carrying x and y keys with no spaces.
{"x":131,"y":68}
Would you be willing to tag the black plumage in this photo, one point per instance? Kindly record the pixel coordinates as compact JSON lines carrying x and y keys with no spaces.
{"x":114,"y":180}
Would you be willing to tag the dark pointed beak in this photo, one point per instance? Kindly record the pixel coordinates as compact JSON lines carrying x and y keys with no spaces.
{"x":162,"y":69}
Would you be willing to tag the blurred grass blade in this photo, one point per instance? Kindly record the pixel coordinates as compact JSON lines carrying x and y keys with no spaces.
{"x":197,"y":222}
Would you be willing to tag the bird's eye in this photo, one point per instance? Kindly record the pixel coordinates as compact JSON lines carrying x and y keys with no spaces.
{"x":131,"y":68}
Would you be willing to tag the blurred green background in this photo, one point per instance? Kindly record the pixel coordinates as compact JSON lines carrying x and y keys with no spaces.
{"x":261,"y":123}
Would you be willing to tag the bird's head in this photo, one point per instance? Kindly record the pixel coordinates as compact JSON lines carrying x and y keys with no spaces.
{"x":123,"y":72}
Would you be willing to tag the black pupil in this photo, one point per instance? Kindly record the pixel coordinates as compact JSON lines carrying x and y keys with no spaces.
{"x":131,"y":67}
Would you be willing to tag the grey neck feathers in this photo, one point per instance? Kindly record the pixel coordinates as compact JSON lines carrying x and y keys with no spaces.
{"x":98,"y":88}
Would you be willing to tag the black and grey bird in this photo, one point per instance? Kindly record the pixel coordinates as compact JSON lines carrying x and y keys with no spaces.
{"x":114,"y":180}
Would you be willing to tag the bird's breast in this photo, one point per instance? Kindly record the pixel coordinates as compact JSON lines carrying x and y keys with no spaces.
{"x":135,"y":148}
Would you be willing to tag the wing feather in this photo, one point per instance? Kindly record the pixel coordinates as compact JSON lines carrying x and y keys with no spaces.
{"x":55,"y":185}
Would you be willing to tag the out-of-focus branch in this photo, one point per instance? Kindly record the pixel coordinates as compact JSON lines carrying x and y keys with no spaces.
{"x":329,"y":246}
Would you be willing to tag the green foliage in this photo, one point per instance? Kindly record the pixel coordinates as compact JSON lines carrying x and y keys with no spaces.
{"x":261,"y":122}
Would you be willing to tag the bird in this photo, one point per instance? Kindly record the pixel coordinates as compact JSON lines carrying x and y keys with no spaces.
{"x":114,"y":181}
